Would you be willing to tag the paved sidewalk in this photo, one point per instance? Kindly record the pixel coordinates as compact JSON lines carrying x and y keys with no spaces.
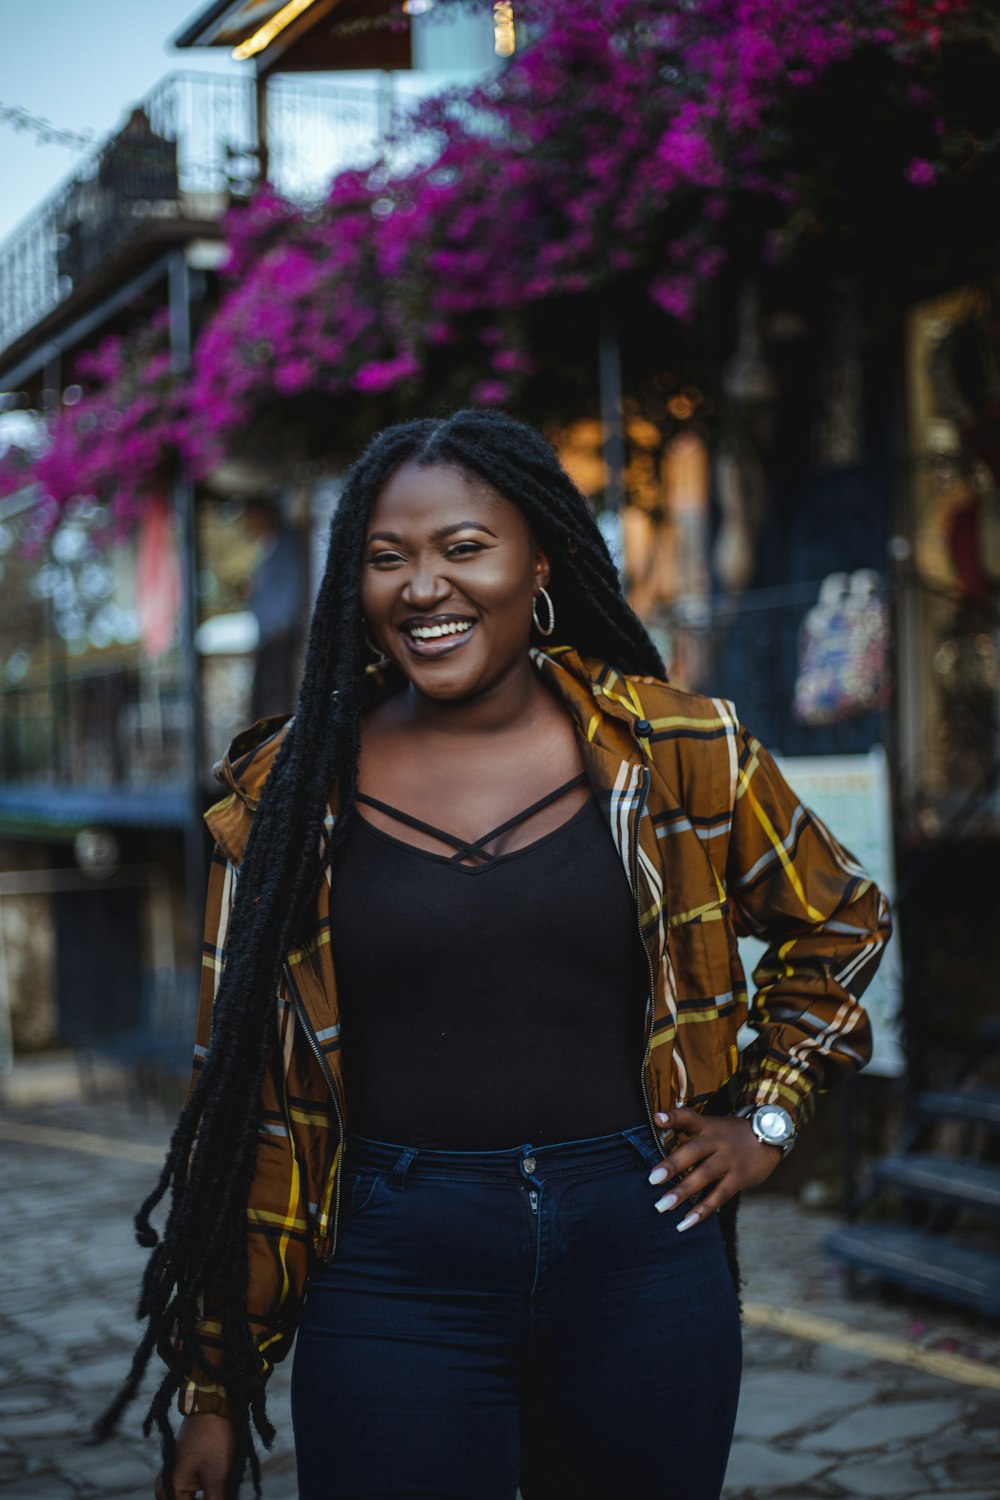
{"x":842,"y":1400}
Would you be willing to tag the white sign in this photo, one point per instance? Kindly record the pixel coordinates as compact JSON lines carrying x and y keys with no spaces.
{"x":850,"y":794}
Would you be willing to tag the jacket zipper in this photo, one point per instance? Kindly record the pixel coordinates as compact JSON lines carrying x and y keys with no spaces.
{"x":643,"y":793}
{"x":311,"y":1038}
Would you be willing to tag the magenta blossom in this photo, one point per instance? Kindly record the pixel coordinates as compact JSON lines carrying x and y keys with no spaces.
{"x":382,"y":375}
{"x":624,"y":140}
{"x":921,"y":173}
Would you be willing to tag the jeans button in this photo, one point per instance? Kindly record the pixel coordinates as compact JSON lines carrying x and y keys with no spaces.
{"x":528,"y":1165}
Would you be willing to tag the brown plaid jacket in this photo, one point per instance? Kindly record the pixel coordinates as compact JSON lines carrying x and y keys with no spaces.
{"x":714,"y":845}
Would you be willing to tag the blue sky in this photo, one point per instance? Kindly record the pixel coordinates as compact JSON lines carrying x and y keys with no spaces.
{"x":80,"y":64}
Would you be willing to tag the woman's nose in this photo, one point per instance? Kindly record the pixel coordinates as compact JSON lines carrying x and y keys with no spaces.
{"x":425,"y":587}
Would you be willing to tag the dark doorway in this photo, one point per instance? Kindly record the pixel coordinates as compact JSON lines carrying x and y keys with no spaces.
{"x":98,"y":962}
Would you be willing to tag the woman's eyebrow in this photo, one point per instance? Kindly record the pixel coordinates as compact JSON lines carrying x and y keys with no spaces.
{"x":443,"y":531}
{"x":436,"y":536}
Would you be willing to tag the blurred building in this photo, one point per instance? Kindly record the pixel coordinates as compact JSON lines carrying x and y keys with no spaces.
{"x":803,"y":496}
{"x":128,"y":660}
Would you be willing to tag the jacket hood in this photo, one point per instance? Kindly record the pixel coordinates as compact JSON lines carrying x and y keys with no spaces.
{"x":591,"y":690}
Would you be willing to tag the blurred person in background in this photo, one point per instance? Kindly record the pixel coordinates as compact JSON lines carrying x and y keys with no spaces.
{"x":468,"y":1112}
{"x":277,"y":600}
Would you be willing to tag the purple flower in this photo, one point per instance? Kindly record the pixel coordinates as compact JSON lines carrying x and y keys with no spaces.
{"x":489,"y":393}
{"x":513,"y":362}
{"x":920,"y":173}
{"x":292,"y":376}
{"x":675,"y":295}
{"x":382,"y":375}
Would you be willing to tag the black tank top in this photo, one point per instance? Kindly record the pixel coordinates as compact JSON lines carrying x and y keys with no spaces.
{"x":489,"y":1004}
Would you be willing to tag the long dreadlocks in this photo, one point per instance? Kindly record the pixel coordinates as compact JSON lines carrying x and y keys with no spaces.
{"x":208,"y":1170}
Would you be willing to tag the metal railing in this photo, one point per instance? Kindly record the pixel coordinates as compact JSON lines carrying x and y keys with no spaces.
{"x":315,"y":130}
{"x":126,"y":727}
{"x":185,"y":154}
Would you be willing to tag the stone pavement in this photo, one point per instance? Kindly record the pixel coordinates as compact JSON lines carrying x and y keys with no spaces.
{"x":845,"y":1400}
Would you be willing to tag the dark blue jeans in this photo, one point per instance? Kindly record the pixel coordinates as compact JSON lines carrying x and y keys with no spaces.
{"x":523,"y":1317}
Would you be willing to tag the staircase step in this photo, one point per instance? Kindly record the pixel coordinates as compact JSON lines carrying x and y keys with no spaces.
{"x":957,"y":1180}
{"x":977,"y":1106}
{"x":923,"y":1262}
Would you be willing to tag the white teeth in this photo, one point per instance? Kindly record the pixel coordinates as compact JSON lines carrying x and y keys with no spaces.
{"x":432,"y":632}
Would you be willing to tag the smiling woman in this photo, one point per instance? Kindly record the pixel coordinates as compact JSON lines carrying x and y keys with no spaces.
{"x":451,"y":576}
{"x":472,"y":999}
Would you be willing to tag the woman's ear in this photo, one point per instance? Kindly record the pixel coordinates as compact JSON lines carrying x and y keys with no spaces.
{"x":543,"y":570}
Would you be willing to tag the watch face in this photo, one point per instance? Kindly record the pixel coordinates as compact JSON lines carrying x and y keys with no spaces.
{"x":774,"y":1123}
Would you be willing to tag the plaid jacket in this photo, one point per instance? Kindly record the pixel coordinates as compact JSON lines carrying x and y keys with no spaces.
{"x":714,"y":845}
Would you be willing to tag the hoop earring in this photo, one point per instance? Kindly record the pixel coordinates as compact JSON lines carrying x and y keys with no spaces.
{"x":376,"y":651}
{"x":542,"y":629}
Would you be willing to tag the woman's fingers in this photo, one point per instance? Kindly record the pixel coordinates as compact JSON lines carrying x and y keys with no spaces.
{"x":690,"y":1121}
{"x":683,"y":1157}
{"x":690,"y":1186}
{"x":720,"y":1158}
{"x":710,"y":1204}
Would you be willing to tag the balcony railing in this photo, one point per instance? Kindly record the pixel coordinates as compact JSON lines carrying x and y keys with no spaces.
{"x":315,"y":129}
{"x":185,"y":154}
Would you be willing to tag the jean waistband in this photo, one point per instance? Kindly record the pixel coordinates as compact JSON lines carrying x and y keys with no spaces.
{"x":520,"y":1163}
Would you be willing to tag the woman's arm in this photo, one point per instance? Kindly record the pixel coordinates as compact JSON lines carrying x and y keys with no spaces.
{"x":826,"y":926}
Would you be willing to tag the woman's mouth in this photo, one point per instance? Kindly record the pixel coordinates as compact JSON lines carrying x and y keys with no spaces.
{"x":436,"y":637}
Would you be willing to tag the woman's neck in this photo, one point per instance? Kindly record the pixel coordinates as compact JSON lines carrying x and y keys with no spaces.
{"x":515,"y":702}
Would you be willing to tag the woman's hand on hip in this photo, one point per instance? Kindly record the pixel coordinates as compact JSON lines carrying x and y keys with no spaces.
{"x":720,"y":1157}
{"x":203,"y":1460}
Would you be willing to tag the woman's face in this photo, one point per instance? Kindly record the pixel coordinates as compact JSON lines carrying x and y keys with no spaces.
{"x":450,"y":577}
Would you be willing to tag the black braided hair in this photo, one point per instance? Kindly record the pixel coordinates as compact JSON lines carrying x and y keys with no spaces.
{"x":210,"y":1163}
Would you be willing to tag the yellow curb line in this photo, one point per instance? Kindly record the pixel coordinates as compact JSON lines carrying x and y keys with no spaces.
{"x":81,"y":1140}
{"x":817,"y":1330}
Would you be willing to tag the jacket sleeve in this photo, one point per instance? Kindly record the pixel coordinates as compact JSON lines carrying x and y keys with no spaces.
{"x":276,"y":1230}
{"x":825,"y":923}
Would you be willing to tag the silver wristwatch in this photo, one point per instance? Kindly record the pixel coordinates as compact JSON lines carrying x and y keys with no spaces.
{"x":771,"y":1124}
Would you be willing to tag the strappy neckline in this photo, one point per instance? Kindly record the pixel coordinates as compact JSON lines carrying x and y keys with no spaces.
{"x":473,"y":848}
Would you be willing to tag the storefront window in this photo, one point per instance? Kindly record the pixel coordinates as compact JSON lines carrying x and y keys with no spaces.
{"x":89,"y":667}
{"x":660,"y":537}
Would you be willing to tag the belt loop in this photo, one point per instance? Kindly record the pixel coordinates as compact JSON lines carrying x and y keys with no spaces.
{"x":647,"y":1149}
{"x":397,"y":1176}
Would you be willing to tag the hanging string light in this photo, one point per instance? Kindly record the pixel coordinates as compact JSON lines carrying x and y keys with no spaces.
{"x":504,"y":41}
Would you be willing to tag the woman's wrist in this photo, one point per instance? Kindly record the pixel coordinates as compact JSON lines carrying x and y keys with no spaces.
{"x":771,"y":1124}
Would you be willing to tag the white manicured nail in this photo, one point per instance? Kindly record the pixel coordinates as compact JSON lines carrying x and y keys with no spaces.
{"x":687,"y":1223}
{"x":658,"y":1174}
{"x":662,"y":1204}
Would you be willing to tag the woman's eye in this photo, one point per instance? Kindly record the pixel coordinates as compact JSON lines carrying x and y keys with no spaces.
{"x":378,"y":558}
{"x":465,"y":549}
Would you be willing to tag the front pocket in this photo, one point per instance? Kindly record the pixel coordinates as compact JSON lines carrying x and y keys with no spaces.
{"x":362,"y":1187}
